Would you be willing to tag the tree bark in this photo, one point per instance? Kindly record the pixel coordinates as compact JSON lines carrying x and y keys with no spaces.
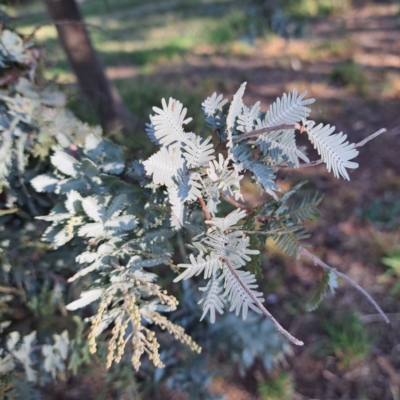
{"x":89,"y":70}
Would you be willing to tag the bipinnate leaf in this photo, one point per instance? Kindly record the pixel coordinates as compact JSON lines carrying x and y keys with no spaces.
{"x":86,"y":298}
{"x":334,"y":150}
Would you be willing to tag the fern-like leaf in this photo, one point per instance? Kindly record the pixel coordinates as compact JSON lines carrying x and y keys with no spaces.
{"x":212,"y":104}
{"x":164,"y":165}
{"x":247,"y":120}
{"x":334,"y":150}
{"x":213,"y":299}
{"x":237,"y":296}
{"x":234,"y":111}
{"x":288,"y":109}
{"x":196,"y":267}
{"x":169,"y":121}
{"x":198,"y":152}
{"x":280,"y":143}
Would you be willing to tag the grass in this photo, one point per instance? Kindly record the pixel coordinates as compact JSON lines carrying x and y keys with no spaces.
{"x":350,"y":74}
{"x":280,"y":388}
{"x":348,"y":339}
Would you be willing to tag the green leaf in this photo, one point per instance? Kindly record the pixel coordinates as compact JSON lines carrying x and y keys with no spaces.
{"x":328,"y":281}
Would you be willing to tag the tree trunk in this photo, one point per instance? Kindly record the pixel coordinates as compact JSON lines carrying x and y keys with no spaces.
{"x":88,"y":68}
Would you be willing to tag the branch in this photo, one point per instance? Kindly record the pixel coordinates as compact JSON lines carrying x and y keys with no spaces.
{"x":235,"y":203}
{"x":266,"y":313}
{"x":370,"y":137}
{"x":326,"y":267}
{"x":258,"y":132}
{"x":204,"y":208}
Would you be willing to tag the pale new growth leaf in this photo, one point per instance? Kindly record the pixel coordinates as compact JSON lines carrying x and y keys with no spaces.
{"x":237,"y":296}
{"x":212,"y":104}
{"x":234,"y":111}
{"x":334,"y":150}
{"x":164,"y":165}
{"x":213,"y":298}
{"x":198,"y":152}
{"x":169,"y":121}
{"x":203,"y":263}
{"x":247,"y":120}
{"x":86,"y":298}
{"x":229,"y":221}
{"x":288,"y":109}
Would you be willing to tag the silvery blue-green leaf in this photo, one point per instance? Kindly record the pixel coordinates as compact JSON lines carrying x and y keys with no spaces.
{"x":112,"y":151}
{"x":66,"y":164}
{"x":5,"y":153}
{"x":7,"y":363}
{"x":196,"y":267}
{"x":237,"y":296}
{"x":188,"y":189}
{"x":86,"y":298}
{"x":137,"y":262}
{"x":94,"y":208}
{"x":235,"y":110}
{"x":62,"y":237}
{"x":164,"y":165}
{"x":94,"y":146}
{"x":92,"y":230}
{"x":84,"y":271}
{"x":56,"y":235}
{"x":44,"y":183}
{"x":150,"y":130}
{"x":198,"y":152}
{"x":281,"y":142}
{"x":86,"y":257}
{"x":246,"y":121}
{"x":168,"y":122}
{"x":22,"y":353}
{"x":74,"y":202}
{"x":116,"y":207}
{"x":212,"y":298}
{"x":179,"y":209}
{"x":61,"y":343}
{"x":229,"y":221}
{"x":66,"y":185}
{"x":113,"y":167}
{"x":123,"y":223}
{"x":334,"y":150}
{"x":52,"y":361}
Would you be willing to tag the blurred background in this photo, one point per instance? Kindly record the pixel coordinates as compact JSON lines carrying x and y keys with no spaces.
{"x":344,"y":53}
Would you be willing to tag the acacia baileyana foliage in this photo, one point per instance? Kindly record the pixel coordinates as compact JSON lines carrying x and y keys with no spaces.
{"x":111,"y":223}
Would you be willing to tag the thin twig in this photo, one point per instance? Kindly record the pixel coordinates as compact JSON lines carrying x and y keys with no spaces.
{"x":370,"y":137}
{"x":326,"y":267}
{"x":235,"y":203}
{"x":204,"y":208}
{"x":359,"y":144}
{"x":266,"y":313}
{"x":258,"y":132}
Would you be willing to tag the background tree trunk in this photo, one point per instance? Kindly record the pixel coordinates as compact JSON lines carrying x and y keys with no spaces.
{"x":89,"y":70}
